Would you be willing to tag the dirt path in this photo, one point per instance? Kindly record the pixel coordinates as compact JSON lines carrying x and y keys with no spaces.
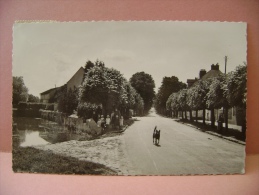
{"x":108,"y":151}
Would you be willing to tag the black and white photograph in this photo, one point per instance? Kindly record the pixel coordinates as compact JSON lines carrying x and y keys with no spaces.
{"x":129,"y":98}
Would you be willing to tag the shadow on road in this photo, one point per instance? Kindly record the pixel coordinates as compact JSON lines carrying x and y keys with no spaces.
{"x":157,"y":145}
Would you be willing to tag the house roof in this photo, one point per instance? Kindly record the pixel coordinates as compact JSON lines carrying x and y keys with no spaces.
{"x":212,"y":74}
{"x":48,"y":91}
{"x":81,"y":68}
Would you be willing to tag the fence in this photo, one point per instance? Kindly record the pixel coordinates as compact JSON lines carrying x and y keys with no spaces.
{"x":58,"y":121}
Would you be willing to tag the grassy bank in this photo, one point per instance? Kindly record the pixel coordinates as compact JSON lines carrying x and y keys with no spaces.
{"x":37,"y":161}
{"x":31,"y":160}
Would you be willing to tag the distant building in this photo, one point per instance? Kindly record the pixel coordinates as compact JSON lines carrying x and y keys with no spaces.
{"x":51,"y":95}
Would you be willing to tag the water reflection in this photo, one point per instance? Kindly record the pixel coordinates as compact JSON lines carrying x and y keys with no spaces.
{"x":32,"y":138}
{"x":35,"y":131}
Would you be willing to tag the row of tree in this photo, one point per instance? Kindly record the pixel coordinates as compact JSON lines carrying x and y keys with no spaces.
{"x":169,"y":85}
{"x":102,"y":87}
{"x":107,"y":88}
{"x":214,"y":93}
{"x":20,"y":92}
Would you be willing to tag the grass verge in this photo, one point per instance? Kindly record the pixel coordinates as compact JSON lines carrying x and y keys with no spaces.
{"x":31,"y":160}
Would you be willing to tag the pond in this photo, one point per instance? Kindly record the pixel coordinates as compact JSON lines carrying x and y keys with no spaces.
{"x":32,"y":138}
{"x":35,"y":131}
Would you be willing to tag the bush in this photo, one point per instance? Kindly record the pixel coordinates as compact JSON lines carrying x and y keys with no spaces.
{"x":86,"y":109}
{"x":26,"y":109}
{"x":49,"y":107}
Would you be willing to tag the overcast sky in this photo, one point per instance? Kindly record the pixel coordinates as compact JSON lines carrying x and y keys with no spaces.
{"x":49,"y":54}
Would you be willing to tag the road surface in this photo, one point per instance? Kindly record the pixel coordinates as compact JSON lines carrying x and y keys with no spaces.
{"x":183,"y":150}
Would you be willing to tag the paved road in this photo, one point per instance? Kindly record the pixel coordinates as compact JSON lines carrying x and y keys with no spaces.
{"x":183,"y":150}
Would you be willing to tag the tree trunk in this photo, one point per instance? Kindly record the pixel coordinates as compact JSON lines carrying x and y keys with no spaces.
{"x":226,"y":118}
{"x":185,"y":113}
{"x":196,"y":116}
{"x":212,"y":115}
{"x":182,"y":114}
{"x":203,"y":116}
{"x":191,"y":119}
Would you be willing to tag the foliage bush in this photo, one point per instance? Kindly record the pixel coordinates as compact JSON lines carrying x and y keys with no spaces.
{"x":86,"y":109}
{"x":28,"y":109}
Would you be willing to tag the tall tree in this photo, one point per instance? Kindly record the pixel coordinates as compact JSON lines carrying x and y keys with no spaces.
{"x":20,"y":91}
{"x":88,"y":65}
{"x":104,"y":86}
{"x":236,"y":90}
{"x":169,"y":85}
{"x":197,"y":96}
{"x":182,"y":95}
{"x":236,"y":85}
{"x":215,"y":97}
{"x":68,"y":100}
{"x":144,"y":85}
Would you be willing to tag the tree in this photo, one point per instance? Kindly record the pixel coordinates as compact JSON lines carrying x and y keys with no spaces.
{"x":104,"y":86}
{"x":68,"y":101}
{"x":236,"y":85}
{"x":88,"y":65}
{"x":182,"y":95}
{"x":236,"y":91}
{"x":197,"y":96}
{"x":20,"y":91}
{"x":139,"y":104}
{"x":173,"y":103}
{"x":215,"y":96}
{"x":169,"y":85}
{"x":32,"y":98}
{"x":144,"y":85}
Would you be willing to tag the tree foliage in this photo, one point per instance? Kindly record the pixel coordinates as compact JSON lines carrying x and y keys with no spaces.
{"x":216,"y":97}
{"x":108,"y":87}
{"x":169,"y":85}
{"x":144,"y":85}
{"x":32,"y":98}
{"x":68,"y":100}
{"x":197,"y":96}
{"x":20,"y":91}
{"x":101,"y":85}
{"x":236,"y":85}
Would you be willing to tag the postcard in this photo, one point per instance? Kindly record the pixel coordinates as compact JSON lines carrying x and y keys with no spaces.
{"x":129,"y":98}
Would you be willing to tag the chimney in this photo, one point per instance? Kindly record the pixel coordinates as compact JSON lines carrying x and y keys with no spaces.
{"x":202,"y":73}
{"x":215,"y":67}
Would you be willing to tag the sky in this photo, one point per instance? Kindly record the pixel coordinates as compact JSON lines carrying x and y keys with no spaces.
{"x":48,"y":54}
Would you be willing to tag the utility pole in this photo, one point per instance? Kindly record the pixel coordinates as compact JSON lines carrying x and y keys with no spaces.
{"x":226,"y":110}
{"x":226,"y":59}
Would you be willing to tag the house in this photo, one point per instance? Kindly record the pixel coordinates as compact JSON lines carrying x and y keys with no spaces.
{"x":76,"y":79}
{"x":47,"y":96}
{"x":203,"y":75}
{"x":234,"y":114}
{"x":51,"y":95}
